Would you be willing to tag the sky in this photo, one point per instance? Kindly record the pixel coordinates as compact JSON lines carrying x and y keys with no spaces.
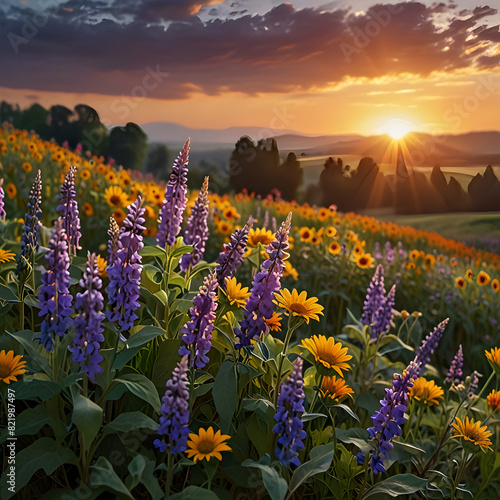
{"x":315,"y":66}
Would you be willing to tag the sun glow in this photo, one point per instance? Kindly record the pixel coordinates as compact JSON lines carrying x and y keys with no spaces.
{"x":397,"y":129}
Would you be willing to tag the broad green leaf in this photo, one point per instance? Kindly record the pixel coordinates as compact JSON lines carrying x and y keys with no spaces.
{"x":320,"y":460}
{"x":104,"y":474}
{"x":36,"y":390}
{"x":194,"y":493}
{"x":400,"y":484}
{"x":179,"y":252}
{"x":29,"y":422}
{"x":347,"y":409}
{"x":132,"y":420}
{"x":151,"y":251}
{"x":275,"y":485}
{"x":167,"y":357}
{"x":135,"y":343}
{"x":136,"y":467}
{"x":225,"y":395}
{"x":7,"y":294}
{"x":312,"y":416}
{"x":44,"y":454}
{"x":87,"y":416}
{"x":25,"y":338}
{"x":140,"y":386}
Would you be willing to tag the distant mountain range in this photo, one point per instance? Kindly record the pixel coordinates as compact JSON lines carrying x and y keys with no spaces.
{"x":472,"y":148}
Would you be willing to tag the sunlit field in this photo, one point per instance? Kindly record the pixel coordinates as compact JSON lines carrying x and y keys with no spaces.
{"x":158,"y":342}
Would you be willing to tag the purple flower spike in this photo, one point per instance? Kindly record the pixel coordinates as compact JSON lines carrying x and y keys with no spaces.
{"x":455,"y":374}
{"x":174,"y":418}
{"x":231,"y":257}
{"x":68,"y":209}
{"x":388,"y":420}
{"x":429,"y":344}
{"x":377,"y":309}
{"x":55,"y":298}
{"x":197,"y":333}
{"x":29,"y":238}
{"x":174,"y":204}
{"x":113,"y":233}
{"x":2,"y":204}
{"x":125,"y":273}
{"x":266,"y":283}
{"x":87,"y":323}
{"x":289,"y":411}
{"x":196,"y":233}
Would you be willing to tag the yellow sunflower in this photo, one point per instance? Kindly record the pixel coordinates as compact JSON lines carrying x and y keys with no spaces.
{"x":426,"y":391}
{"x":331,"y":231}
{"x":473,"y":432}
{"x":102,"y":265}
{"x":223,"y":227}
{"x":329,"y":354}
{"x":414,"y":255}
{"x":235,"y":293}
{"x":274,"y":322}
{"x":88,"y":209}
{"x":119,"y":215}
{"x":11,"y":366}
{"x":334,"y":248}
{"x":206,"y":444}
{"x":495,"y":284}
{"x":483,"y":278}
{"x":306,"y":234}
{"x":26,"y":166}
{"x":6,"y":256}
{"x":335,"y":388}
{"x":494,"y":358}
{"x":493,"y":400}
{"x":469,"y":274}
{"x":259,"y":235}
{"x":460,"y":282}
{"x":230,"y":213}
{"x":429,"y":261}
{"x":364,"y":261}
{"x":11,"y":190}
{"x":299,"y":305}
{"x":116,"y":196}
{"x":85,"y":174}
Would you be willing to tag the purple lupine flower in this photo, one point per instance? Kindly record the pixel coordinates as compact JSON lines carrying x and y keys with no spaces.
{"x":289,"y":411}
{"x":55,"y":298}
{"x":455,"y":373}
{"x":113,"y":233}
{"x":231,"y":257}
{"x":125,"y":273}
{"x":260,"y":304}
{"x":29,"y":237}
{"x":174,"y":204}
{"x":174,"y":418}
{"x":2,"y":204}
{"x":377,"y":254}
{"x":197,"y":332}
{"x":388,"y":420}
{"x":375,"y":295}
{"x":266,"y":220}
{"x":196,"y":233}
{"x":383,"y":317}
{"x":429,"y":344}
{"x":68,"y":209}
{"x":87,"y":323}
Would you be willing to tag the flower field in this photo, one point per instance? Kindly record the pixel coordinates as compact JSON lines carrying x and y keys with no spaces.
{"x":158,"y":342}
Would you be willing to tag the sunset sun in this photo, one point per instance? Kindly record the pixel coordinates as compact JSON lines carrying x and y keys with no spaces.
{"x":397,"y":129}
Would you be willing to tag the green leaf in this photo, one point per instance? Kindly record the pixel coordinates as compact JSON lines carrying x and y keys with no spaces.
{"x":29,"y":422}
{"x":194,"y":493}
{"x":25,"y":338}
{"x":320,"y":460}
{"x":312,"y":416}
{"x":179,"y":252}
{"x":150,"y":251}
{"x":151,"y":278}
{"x":140,"y":386}
{"x":225,"y":395}
{"x":44,"y":454}
{"x":167,"y":357}
{"x":135,"y":343}
{"x":7,"y":295}
{"x":103,"y":474}
{"x":36,"y":390}
{"x":130,"y":421}
{"x":400,"y":484}
{"x":275,"y":485}
{"x":87,"y":416}
{"x":346,"y":409}
{"x":136,"y":467}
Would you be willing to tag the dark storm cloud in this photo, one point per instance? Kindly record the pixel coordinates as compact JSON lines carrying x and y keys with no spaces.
{"x":85,"y":50}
